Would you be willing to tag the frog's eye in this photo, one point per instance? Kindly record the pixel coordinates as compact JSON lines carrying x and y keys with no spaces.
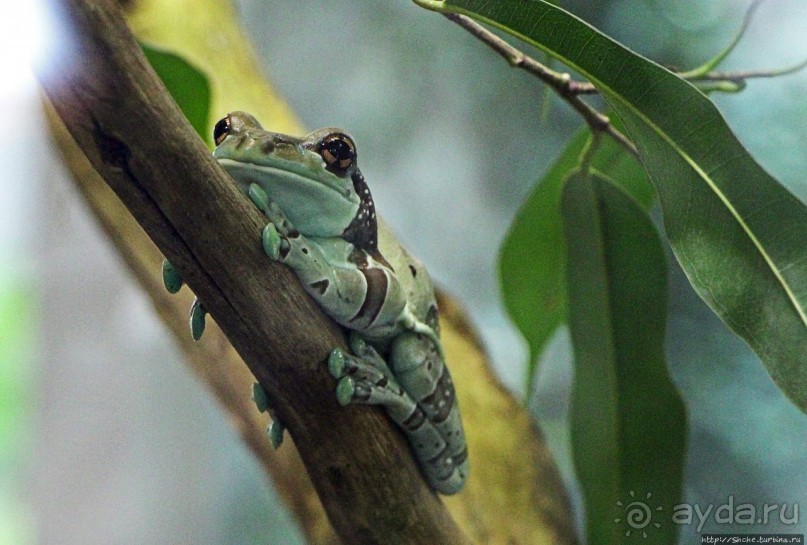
{"x":338,"y":151}
{"x":221,"y":130}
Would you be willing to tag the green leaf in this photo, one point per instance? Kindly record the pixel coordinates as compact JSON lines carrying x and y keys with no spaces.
{"x":532,"y":262}
{"x":628,"y":424}
{"x":738,"y":234}
{"x":188,"y":86}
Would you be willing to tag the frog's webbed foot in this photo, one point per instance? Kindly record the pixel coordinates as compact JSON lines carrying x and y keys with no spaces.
{"x":196,"y":319}
{"x":172,"y":281}
{"x":276,"y":234}
{"x":366,"y":353}
{"x":171,"y":277}
{"x":270,"y":209}
{"x":274,"y":246}
{"x":276,"y":428}
{"x":368,"y":380}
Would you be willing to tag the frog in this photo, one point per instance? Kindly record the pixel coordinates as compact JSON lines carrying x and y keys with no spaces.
{"x":322,"y":223}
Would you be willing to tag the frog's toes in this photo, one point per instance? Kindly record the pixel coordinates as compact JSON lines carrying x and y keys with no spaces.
{"x":276,"y":428}
{"x":274,"y":245}
{"x":366,"y":353}
{"x":197,"y":319}
{"x":258,"y":197}
{"x":453,"y":484}
{"x":260,"y":398}
{"x":345,"y":390}
{"x":337,"y":363}
{"x":171,"y":278}
{"x":275,"y":433}
{"x":357,"y":343}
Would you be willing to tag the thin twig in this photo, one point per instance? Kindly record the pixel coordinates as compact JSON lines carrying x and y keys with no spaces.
{"x":740,"y":76}
{"x":560,"y":82}
{"x":570,"y":90}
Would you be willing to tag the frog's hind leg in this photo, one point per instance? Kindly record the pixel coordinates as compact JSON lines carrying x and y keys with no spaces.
{"x":368,"y":380}
{"x":419,"y":367}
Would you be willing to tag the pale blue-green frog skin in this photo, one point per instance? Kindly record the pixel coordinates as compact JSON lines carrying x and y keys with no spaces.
{"x":323,"y":224}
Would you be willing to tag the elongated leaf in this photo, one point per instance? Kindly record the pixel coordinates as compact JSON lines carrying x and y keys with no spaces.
{"x":738,"y":234}
{"x":627,"y":419}
{"x":188,"y":86}
{"x":531,"y":261}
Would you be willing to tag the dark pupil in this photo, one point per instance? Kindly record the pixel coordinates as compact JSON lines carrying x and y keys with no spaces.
{"x":221,"y":129}
{"x":340,"y":150}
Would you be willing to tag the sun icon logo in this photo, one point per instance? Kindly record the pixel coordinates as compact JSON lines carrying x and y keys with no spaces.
{"x":638,"y":515}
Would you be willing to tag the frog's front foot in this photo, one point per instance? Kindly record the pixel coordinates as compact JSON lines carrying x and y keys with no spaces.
{"x":337,"y":364}
{"x":275,"y":246}
{"x":197,"y":319}
{"x":276,"y":427}
{"x":258,"y":197}
{"x":171,"y":277}
{"x":173,"y":283}
{"x":275,"y":235}
{"x":346,"y":391}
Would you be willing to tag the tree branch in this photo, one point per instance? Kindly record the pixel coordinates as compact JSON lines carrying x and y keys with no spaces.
{"x":570,"y":90}
{"x":133,"y":134}
{"x":564,"y":86}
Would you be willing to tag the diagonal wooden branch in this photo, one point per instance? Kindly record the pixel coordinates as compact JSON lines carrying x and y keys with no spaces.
{"x":214,"y":361}
{"x":133,"y":134}
{"x":515,"y":495}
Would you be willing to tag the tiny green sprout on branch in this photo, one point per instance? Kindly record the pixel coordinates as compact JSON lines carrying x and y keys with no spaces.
{"x":714,"y":62}
{"x":705,"y":77}
{"x":587,"y":154}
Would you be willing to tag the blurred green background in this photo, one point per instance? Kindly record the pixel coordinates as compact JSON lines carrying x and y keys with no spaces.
{"x":104,"y":436}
